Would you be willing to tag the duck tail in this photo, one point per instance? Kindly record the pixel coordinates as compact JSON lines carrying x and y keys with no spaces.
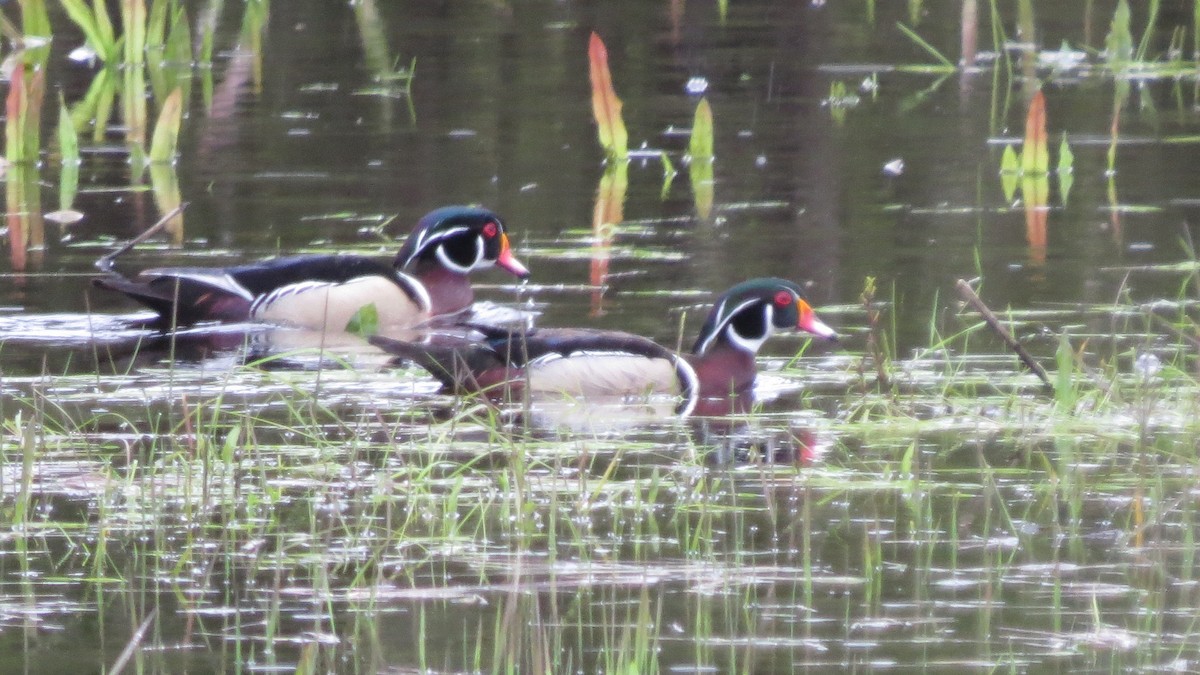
{"x":454,"y":363}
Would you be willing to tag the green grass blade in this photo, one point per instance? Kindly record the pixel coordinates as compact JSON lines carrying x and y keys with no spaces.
{"x":912,"y":35}
{"x":1151,"y":22}
{"x":83,"y":17}
{"x":108,"y":47}
{"x":133,"y":18}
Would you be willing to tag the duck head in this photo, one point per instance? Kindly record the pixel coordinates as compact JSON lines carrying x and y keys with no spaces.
{"x":749,"y":313}
{"x":449,"y":244}
{"x":461,"y":240}
{"x":740,"y":322}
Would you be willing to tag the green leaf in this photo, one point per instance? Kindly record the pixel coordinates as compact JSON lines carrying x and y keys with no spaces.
{"x":164,"y":183}
{"x":1118,"y":44}
{"x":606,"y":107}
{"x":1066,"y":169}
{"x":207,"y":32}
{"x":365,"y":321}
{"x":701,"y":144}
{"x":1010,"y":172}
{"x":133,"y":18}
{"x":1064,"y":378}
{"x":1009,"y":163}
{"x":156,"y":24}
{"x":173,"y":67}
{"x":668,"y":175}
{"x":700,"y":170}
{"x":1066,"y":158}
{"x":229,"y":447}
{"x":166,"y":131}
{"x":68,"y":145}
{"x":108,"y":47}
{"x":178,"y":48}
{"x":68,"y":186}
{"x":68,"y":138}
{"x":96,"y":26}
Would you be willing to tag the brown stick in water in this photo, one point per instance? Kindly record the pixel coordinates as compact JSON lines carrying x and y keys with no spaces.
{"x":105,"y":263}
{"x":968,"y":294}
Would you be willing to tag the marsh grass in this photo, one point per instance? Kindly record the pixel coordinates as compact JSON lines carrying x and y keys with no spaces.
{"x":297,"y":525}
{"x":256,"y":517}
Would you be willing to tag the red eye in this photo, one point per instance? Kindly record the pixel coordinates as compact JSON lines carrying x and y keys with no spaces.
{"x":783,"y":298}
{"x":490,"y":229}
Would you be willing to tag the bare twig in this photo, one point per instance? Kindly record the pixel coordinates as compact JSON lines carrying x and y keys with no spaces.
{"x":968,"y":294}
{"x":105,"y":263}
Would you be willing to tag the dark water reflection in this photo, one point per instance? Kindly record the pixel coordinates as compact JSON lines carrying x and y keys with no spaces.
{"x":500,"y":115}
{"x":357,"y":515}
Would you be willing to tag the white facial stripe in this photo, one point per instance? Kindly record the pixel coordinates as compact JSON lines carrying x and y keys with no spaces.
{"x":480,"y":261}
{"x":724,"y":322}
{"x":425,"y":240}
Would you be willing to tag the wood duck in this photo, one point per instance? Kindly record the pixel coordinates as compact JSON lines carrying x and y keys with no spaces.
{"x":428,"y":278}
{"x":598,"y":363}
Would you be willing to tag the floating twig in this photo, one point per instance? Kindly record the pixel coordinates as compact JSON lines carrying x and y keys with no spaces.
{"x":105,"y":263}
{"x":968,"y":294}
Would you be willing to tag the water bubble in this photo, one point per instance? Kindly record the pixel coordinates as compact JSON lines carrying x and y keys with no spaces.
{"x":696,"y":86}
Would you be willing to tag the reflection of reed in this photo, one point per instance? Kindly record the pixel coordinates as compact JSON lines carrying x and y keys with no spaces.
{"x":133,"y":107}
{"x":23,"y":215}
{"x":969,"y":44}
{"x":675,"y":20}
{"x":164,"y":181}
{"x":1114,"y":212}
{"x":392,"y":82}
{"x":1035,"y":178}
{"x":1035,"y":193}
{"x":608,"y":213}
{"x":23,"y":114}
{"x":700,"y":173}
{"x":969,"y":38}
{"x":23,"y":204}
{"x":243,"y":70}
{"x":734,"y":437}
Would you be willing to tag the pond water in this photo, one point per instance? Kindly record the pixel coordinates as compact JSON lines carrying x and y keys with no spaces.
{"x":216,"y":515}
